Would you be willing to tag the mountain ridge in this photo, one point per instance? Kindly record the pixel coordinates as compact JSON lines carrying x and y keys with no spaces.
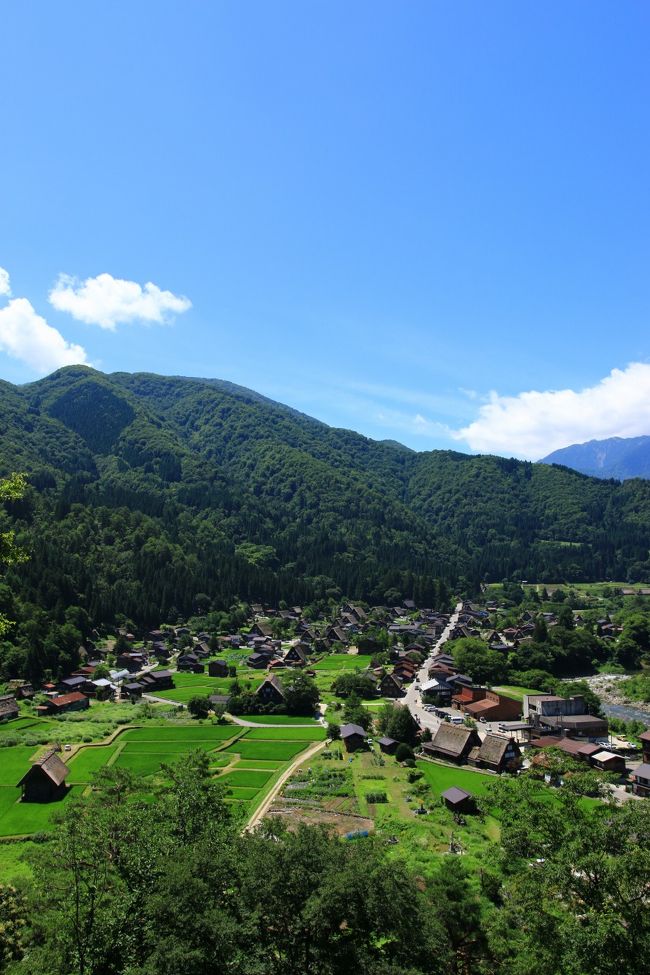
{"x":621,"y":458}
{"x":146,"y":491}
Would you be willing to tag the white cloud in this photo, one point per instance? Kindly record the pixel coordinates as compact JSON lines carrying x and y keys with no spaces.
{"x":533,"y":424}
{"x":5,"y":288}
{"x":26,"y":336}
{"x":106,"y":301}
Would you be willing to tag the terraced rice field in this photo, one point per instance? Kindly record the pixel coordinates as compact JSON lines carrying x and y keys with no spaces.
{"x":247,"y":761}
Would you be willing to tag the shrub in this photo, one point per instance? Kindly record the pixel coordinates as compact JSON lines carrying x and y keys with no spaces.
{"x":404,"y":753}
{"x":376,"y":797}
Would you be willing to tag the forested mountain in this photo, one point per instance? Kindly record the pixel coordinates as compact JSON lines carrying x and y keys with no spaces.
{"x":149,"y":496}
{"x":619,"y":457}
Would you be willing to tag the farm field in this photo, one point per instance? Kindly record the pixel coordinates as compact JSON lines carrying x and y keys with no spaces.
{"x":88,"y":761}
{"x":14,"y":762}
{"x":280,"y":719}
{"x":19,"y":818}
{"x":282,"y":734}
{"x":282,"y":751}
{"x":340,"y":793}
{"x":202,"y":685}
{"x":246,"y":760}
{"x":343,"y":661}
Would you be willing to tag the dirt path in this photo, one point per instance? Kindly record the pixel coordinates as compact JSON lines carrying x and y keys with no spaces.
{"x":259,"y":724}
{"x":262,"y":810}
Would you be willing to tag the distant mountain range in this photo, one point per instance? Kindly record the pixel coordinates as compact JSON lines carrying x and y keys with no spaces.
{"x":619,"y":457}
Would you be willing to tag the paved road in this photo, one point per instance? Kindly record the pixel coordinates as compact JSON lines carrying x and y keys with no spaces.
{"x":413,"y":696}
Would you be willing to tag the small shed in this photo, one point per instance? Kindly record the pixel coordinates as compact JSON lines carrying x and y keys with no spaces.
{"x":45,"y":780}
{"x":353,"y":737}
{"x":388,"y":745}
{"x":458,"y":800}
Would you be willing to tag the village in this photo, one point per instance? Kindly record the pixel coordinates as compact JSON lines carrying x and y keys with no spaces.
{"x":356,"y":663}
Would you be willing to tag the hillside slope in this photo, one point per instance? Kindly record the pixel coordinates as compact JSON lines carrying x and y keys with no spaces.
{"x":147,"y":492}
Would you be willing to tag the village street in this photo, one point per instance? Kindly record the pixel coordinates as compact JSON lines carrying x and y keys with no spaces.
{"x":413,"y":696}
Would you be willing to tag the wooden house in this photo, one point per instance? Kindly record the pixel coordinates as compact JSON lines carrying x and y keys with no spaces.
{"x":65,"y":702}
{"x":452,"y":742}
{"x":388,"y":745}
{"x":458,"y":800}
{"x":497,"y":754}
{"x":45,"y":780}
{"x":8,"y":707}
{"x":640,"y":779}
{"x":218,"y":668}
{"x":353,"y":737}
{"x":271,"y":691}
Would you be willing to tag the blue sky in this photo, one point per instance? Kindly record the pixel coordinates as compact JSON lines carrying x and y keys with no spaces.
{"x":406,"y":219}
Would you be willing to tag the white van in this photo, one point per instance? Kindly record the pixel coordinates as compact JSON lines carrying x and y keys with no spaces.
{"x":456,"y":719}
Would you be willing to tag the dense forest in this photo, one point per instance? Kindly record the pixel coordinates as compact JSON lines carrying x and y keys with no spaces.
{"x":150,"y":497}
{"x":127,"y":886}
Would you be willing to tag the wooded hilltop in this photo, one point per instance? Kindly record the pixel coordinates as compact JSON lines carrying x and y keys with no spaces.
{"x":151,"y":497}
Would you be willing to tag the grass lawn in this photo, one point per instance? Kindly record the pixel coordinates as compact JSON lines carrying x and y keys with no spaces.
{"x":9,"y":794}
{"x":281,"y":751}
{"x":19,"y":724}
{"x":13,"y":868}
{"x":259,"y":763}
{"x":14,"y":762}
{"x":171,"y":748}
{"x":343,"y":661}
{"x":184,"y":733}
{"x":286,"y":734}
{"x":236,"y":792}
{"x":442,"y":777}
{"x":219,"y":760}
{"x":246,"y":778}
{"x":88,"y":761}
{"x":32,"y":817}
{"x":514,"y":690}
{"x":138,"y":763}
{"x":202,"y":685}
{"x":281,"y":719}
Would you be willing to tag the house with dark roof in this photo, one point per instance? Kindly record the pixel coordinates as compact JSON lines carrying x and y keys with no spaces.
{"x":640,"y":779}
{"x":69,"y":684}
{"x":261,"y":629}
{"x":8,"y":707}
{"x":458,"y":800}
{"x":45,"y":780}
{"x":271,"y":691}
{"x":218,"y":668}
{"x":452,"y":742}
{"x":295,"y":656}
{"x":497,"y":754}
{"x":388,"y":745}
{"x":353,"y":737}
{"x":645,"y":745}
{"x":390,"y":685}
